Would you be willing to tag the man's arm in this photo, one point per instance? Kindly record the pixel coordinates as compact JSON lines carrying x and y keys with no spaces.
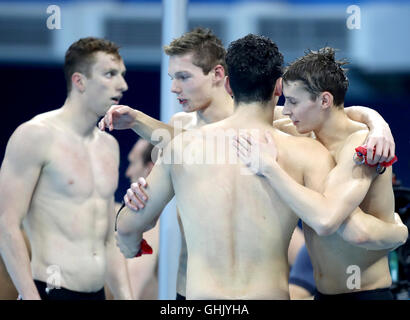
{"x":20,"y":171}
{"x":345,"y":188}
{"x":117,"y":271}
{"x":366,"y":231}
{"x":359,"y":229}
{"x":380,"y":136}
{"x":132,"y":224}
{"x":122,"y":117}
{"x":324,"y":211}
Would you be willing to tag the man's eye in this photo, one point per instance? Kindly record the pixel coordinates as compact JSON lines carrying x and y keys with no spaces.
{"x":183,"y":77}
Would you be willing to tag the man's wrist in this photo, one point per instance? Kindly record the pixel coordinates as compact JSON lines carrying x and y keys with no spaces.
{"x":375,"y":120}
{"x":136,"y":120}
{"x":271,"y":170}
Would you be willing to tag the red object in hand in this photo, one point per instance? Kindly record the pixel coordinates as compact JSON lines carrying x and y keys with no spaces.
{"x":361,"y":153}
{"x":144,"y":249}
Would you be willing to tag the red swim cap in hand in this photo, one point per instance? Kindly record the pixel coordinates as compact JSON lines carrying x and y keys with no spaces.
{"x":360,"y":158}
{"x":144,"y":249}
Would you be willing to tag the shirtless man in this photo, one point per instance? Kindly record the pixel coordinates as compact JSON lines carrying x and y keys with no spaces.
{"x":197,"y":69}
{"x":237,"y":230}
{"x":327,"y":215}
{"x":59,"y":175}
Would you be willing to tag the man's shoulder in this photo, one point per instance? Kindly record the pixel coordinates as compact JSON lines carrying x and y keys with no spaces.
{"x":303,"y":151}
{"x":299,"y":143}
{"x":35,"y":130}
{"x":183,"y":119}
{"x":358,"y":135}
{"x":106,"y":138}
{"x":355,"y":139}
{"x":29,"y":142}
{"x":107,"y":143}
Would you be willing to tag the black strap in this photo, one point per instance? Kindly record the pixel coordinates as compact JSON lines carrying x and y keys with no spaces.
{"x":118,"y":213}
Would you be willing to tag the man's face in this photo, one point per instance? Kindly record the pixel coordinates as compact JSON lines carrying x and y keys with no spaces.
{"x":106,"y":83}
{"x":136,"y":167}
{"x":192,"y":87}
{"x":305,"y":114}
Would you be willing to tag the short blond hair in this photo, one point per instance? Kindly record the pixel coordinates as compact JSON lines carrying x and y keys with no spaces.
{"x":208,"y":50}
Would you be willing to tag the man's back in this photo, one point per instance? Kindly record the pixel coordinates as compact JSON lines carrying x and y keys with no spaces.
{"x":249,"y":225}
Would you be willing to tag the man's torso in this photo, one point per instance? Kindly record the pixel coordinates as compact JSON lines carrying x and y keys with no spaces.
{"x":336,"y":261}
{"x":67,"y":222}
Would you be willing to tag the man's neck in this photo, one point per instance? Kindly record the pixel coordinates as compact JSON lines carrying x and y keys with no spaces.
{"x":220,"y":108}
{"x":254,"y":112}
{"x":335,"y":129}
{"x":77,"y":117}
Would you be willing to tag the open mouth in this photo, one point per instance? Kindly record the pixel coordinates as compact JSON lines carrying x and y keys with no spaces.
{"x":116,"y":100}
{"x":182,"y":101}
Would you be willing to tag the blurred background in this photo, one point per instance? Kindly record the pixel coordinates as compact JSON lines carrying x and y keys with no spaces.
{"x":372,"y":35}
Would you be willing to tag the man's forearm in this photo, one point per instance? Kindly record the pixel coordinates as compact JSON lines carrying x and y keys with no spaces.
{"x":364,"y":115}
{"x":311,"y":206}
{"x":117,"y":273}
{"x":145,"y":126}
{"x":16,"y":258}
{"x":371,"y":233}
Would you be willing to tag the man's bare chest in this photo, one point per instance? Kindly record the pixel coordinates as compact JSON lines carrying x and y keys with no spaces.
{"x":80,"y":169}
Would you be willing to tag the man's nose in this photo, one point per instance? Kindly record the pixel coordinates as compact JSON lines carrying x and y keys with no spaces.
{"x":128,"y":172}
{"x":174,"y":87}
{"x":123,"y":86}
{"x":286,"y":111}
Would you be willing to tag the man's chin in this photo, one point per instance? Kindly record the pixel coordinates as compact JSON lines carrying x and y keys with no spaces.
{"x":302,"y":130}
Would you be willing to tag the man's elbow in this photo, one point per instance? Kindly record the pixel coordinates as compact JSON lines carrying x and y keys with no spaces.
{"x":405,"y":235}
{"x":326,"y":227}
{"x":359,"y":239}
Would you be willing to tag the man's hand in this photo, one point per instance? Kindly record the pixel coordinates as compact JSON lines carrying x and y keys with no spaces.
{"x":118,"y":117}
{"x":136,"y":198}
{"x":129,"y":246}
{"x":382,"y":140}
{"x":258,"y":156}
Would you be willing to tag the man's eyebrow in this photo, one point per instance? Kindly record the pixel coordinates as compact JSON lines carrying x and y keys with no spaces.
{"x":111,"y":70}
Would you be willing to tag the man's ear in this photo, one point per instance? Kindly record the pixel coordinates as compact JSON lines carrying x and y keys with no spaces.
{"x":278,"y":88}
{"x":78,"y":81}
{"x":219,"y":73}
{"x":228,"y":86}
{"x":326,"y":100}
